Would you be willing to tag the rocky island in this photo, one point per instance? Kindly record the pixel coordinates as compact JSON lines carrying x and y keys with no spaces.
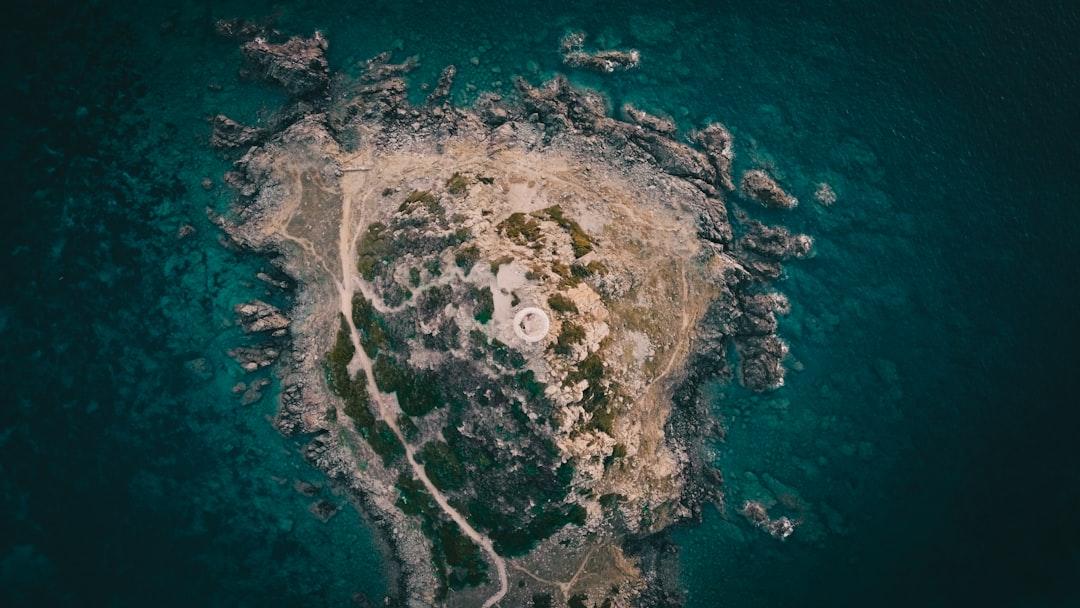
{"x":503,"y":318}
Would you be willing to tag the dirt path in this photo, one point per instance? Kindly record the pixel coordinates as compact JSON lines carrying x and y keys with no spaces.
{"x":386,"y":404}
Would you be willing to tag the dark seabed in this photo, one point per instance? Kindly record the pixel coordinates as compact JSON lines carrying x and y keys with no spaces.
{"x":927,"y":437}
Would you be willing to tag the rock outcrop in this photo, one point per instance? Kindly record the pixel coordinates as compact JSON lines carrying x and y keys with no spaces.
{"x":663,"y":126}
{"x":719,"y":147}
{"x":227,"y":133}
{"x":258,"y":316}
{"x":779,"y":528}
{"x":298,"y":64}
{"x":825,"y":195}
{"x":574,"y":55}
{"x":761,"y":187}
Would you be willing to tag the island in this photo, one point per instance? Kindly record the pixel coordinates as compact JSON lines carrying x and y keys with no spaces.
{"x":503,"y":318}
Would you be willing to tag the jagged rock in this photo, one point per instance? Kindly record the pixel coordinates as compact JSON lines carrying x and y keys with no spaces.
{"x":717,"y":142}
{"x":673,"y":157}
{"x":185,"y":231}
{"x":713,"y":224}
{"x":269,"y":280}
{"x":299,"y":64}
{"x":324,"y":510}
{"x":561,"y":104}
{"x":761,"y":187}
{"x":441,"y":93}
{"x":379,"y":68}
{"x":663,"y":126}
{"x":774,"y":242}
{"x":253,"y":359}
{"x":602,"y":61}
{"x":825,"y":194}
{"x":306,"y":488}
{"x":779,"y":528}
{"x":761,"y":361}
{"x":253,"y":393}
{"x":258,"y":316}
{"x":490,"y":109}
{"x":227,"y":133}
{"x":207,"y":184}
{"x":240,"y":29}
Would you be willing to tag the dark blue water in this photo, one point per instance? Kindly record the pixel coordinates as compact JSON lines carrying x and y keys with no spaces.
{"x":927,"y":441}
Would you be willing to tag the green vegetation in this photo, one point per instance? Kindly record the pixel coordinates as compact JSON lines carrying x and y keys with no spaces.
{"x":337,"y":360}
{"x":603,"y":419}
{"x":423,"y":198}
{"x":579,"y":240}
{"x":375,"y":250}
{"x":566,"y":275}
{"x":591,"y":369}
{"x":408,"y":427}
{"x":457,"y":184}
{"x":370,"y":325}
{"x":417,"y":391}
{"x":577,"y":601}
{"x":570,"y":335}
{"x":485,"y":305}
{"x":433,"y":300}
{"x":414,"y":276}
{"x":560,"y":303}
{"x":520,"y":228}
{"x":433,"y":266}
{"x":467,"y":257}
{"x":457,"y":559}
{"x":353,"y":391}
{"x":496,"y":263}
{"x":385,"y":443}
{"x":442,"y":466}
{"x":542,"y":600}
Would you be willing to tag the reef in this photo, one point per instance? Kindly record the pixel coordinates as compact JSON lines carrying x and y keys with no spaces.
{"x":574,"y":55}
{"x":502,"y":319}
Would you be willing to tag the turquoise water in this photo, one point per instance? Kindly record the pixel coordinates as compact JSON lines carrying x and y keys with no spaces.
{"x":926,"y":440}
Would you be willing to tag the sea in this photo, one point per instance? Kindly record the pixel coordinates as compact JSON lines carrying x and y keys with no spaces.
{"x":926,"y":438}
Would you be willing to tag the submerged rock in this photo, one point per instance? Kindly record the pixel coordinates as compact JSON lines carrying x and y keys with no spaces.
{"x":779,"y":528}
{"x":825,"y":194}
{"x":607,"y":61}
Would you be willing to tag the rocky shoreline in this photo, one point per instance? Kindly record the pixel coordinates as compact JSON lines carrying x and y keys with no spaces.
{"x":326,"y":112}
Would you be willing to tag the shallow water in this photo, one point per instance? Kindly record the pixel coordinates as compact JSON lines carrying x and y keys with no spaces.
{"x":925,"y":442}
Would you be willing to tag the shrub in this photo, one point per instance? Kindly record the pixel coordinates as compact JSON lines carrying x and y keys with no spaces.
{"x":443,"y":466}
{"x":375,"y":249}
{"x":521,"y":228}
{"x":485,"y":305}
{"x":561,"y":303}
{"x":580,"y":242}
{"x":457,"y":184}
{"x":570,"y":335}
{"x":384,"y":442}
{"x":466,"y":257}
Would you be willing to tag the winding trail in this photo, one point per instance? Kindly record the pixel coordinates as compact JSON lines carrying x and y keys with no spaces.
{"x":386,"y":404}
